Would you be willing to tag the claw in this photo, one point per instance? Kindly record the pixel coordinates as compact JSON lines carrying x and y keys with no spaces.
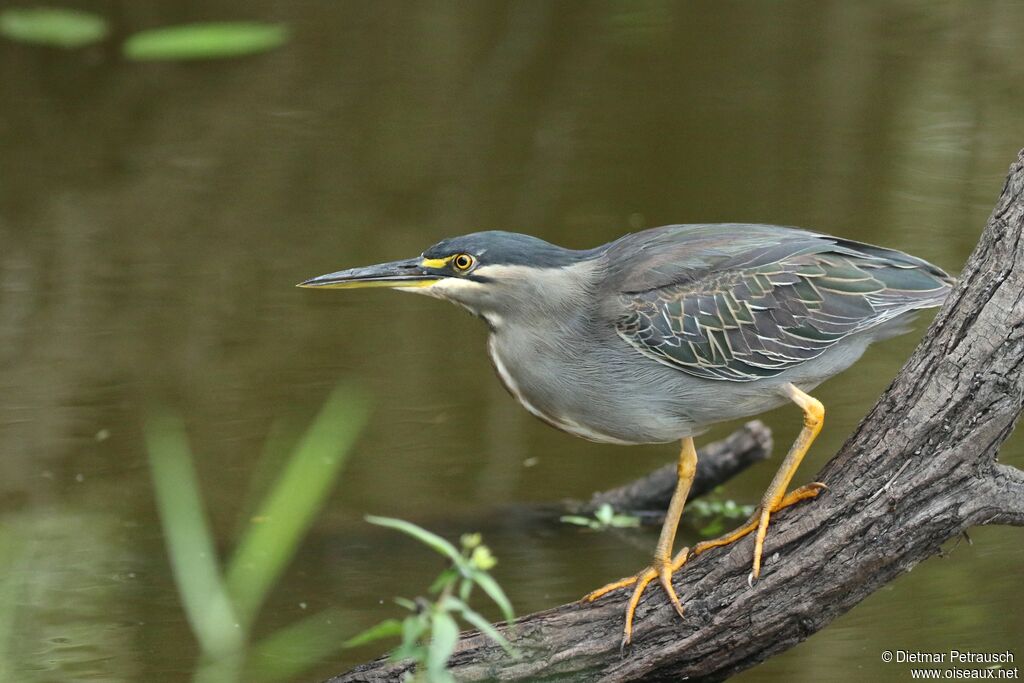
{"x":663,"y":571}
{"x":665,"y":579}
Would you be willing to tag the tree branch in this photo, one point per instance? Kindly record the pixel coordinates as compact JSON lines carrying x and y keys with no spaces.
{"x":1007,"y":497}
{"x":920,"y":469}
{"x":717,"y":462}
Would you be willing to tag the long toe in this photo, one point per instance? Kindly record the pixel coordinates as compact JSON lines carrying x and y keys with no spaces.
{"x":762,"y":531}
{"x":642,"y":579}
{"x":665,"y":578}
{"x":663,"y":571}
{"x":608,"y":588}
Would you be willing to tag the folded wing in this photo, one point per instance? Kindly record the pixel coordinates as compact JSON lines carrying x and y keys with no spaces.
{"x":767,"y":303}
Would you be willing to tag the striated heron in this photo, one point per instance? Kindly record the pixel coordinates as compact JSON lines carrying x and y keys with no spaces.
{"x":660,"y":334}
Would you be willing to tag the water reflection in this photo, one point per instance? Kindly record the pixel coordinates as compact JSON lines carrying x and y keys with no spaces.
{"x":154,"y":219}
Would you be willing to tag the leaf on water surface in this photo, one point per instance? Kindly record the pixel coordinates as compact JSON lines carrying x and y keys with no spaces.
{"x":213,"y":40}
{"x":53,"y":26}
{"x":579,"y":521}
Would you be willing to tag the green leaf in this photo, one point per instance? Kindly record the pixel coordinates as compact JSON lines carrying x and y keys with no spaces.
{"x":444,"y":635}
{"x":578,"y":521}
{"x":447,"y":577}
{"x":422,"y":535}
{"x":406,"y":603}
{"x":604,"y":513}
{"x":188,"y":538}
{"x":413,"y":627}
{"x":701,"y":507}
{"x":287,"y":652}
{"x":288,"y":509}
{"x":491,"y":587}
{"x":713,"y":529}
{"x":211,"y":40}
{"x":624,"y":521}
{"x":482,"y":625}
{"x":53,"y":26}
{"x":389,"y":628}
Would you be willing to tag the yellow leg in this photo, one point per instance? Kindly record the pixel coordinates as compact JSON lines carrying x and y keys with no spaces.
{"x":663,"y":565}
{"x":792,"y":498}
{"x":775,"y":497}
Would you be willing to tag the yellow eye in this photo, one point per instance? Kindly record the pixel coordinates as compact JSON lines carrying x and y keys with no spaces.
{"x":463,"y":262}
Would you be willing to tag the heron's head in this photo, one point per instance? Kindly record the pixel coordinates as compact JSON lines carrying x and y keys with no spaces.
{"x":494,"y":274}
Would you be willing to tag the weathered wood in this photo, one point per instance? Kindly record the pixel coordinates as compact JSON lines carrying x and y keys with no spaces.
{"x":919,"y":470}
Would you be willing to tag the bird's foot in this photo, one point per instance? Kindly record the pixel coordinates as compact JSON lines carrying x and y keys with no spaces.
{"x":759,"y":523}
{"x":662,"y":569}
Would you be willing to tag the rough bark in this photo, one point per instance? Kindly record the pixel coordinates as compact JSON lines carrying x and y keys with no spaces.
{"x":920,"y":469}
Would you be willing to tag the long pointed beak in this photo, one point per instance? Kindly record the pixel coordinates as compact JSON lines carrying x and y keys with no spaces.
{"x":407,"y":273}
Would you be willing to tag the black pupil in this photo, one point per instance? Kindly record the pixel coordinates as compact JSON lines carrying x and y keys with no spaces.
{"x":462,"y":262}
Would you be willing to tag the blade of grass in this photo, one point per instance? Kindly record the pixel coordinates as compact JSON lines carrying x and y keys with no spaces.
{"x":226,"y":668}
{"x":187,"y":536}
{"x":278,"y":445}
{"x":286,"y":653}
{"x":286,"y":512}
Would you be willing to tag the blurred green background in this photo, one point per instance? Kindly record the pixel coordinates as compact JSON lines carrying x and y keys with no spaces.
{"x":155,"y":216}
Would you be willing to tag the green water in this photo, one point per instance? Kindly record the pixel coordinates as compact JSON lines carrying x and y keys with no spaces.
{"x":155,"y":217}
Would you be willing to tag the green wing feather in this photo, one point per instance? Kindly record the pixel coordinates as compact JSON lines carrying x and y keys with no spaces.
{"x":768,"y":303}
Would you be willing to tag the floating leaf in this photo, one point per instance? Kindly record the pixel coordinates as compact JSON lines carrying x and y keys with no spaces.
{"x":53,"y":26}
{"x":213,"y":40}
{"x":604,"y":517}
{"x":713,"y":529}
{"x":624,"y":521}
{"x":578,"y":521}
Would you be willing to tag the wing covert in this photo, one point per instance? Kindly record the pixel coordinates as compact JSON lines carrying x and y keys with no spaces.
{"x":758,"y":316}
